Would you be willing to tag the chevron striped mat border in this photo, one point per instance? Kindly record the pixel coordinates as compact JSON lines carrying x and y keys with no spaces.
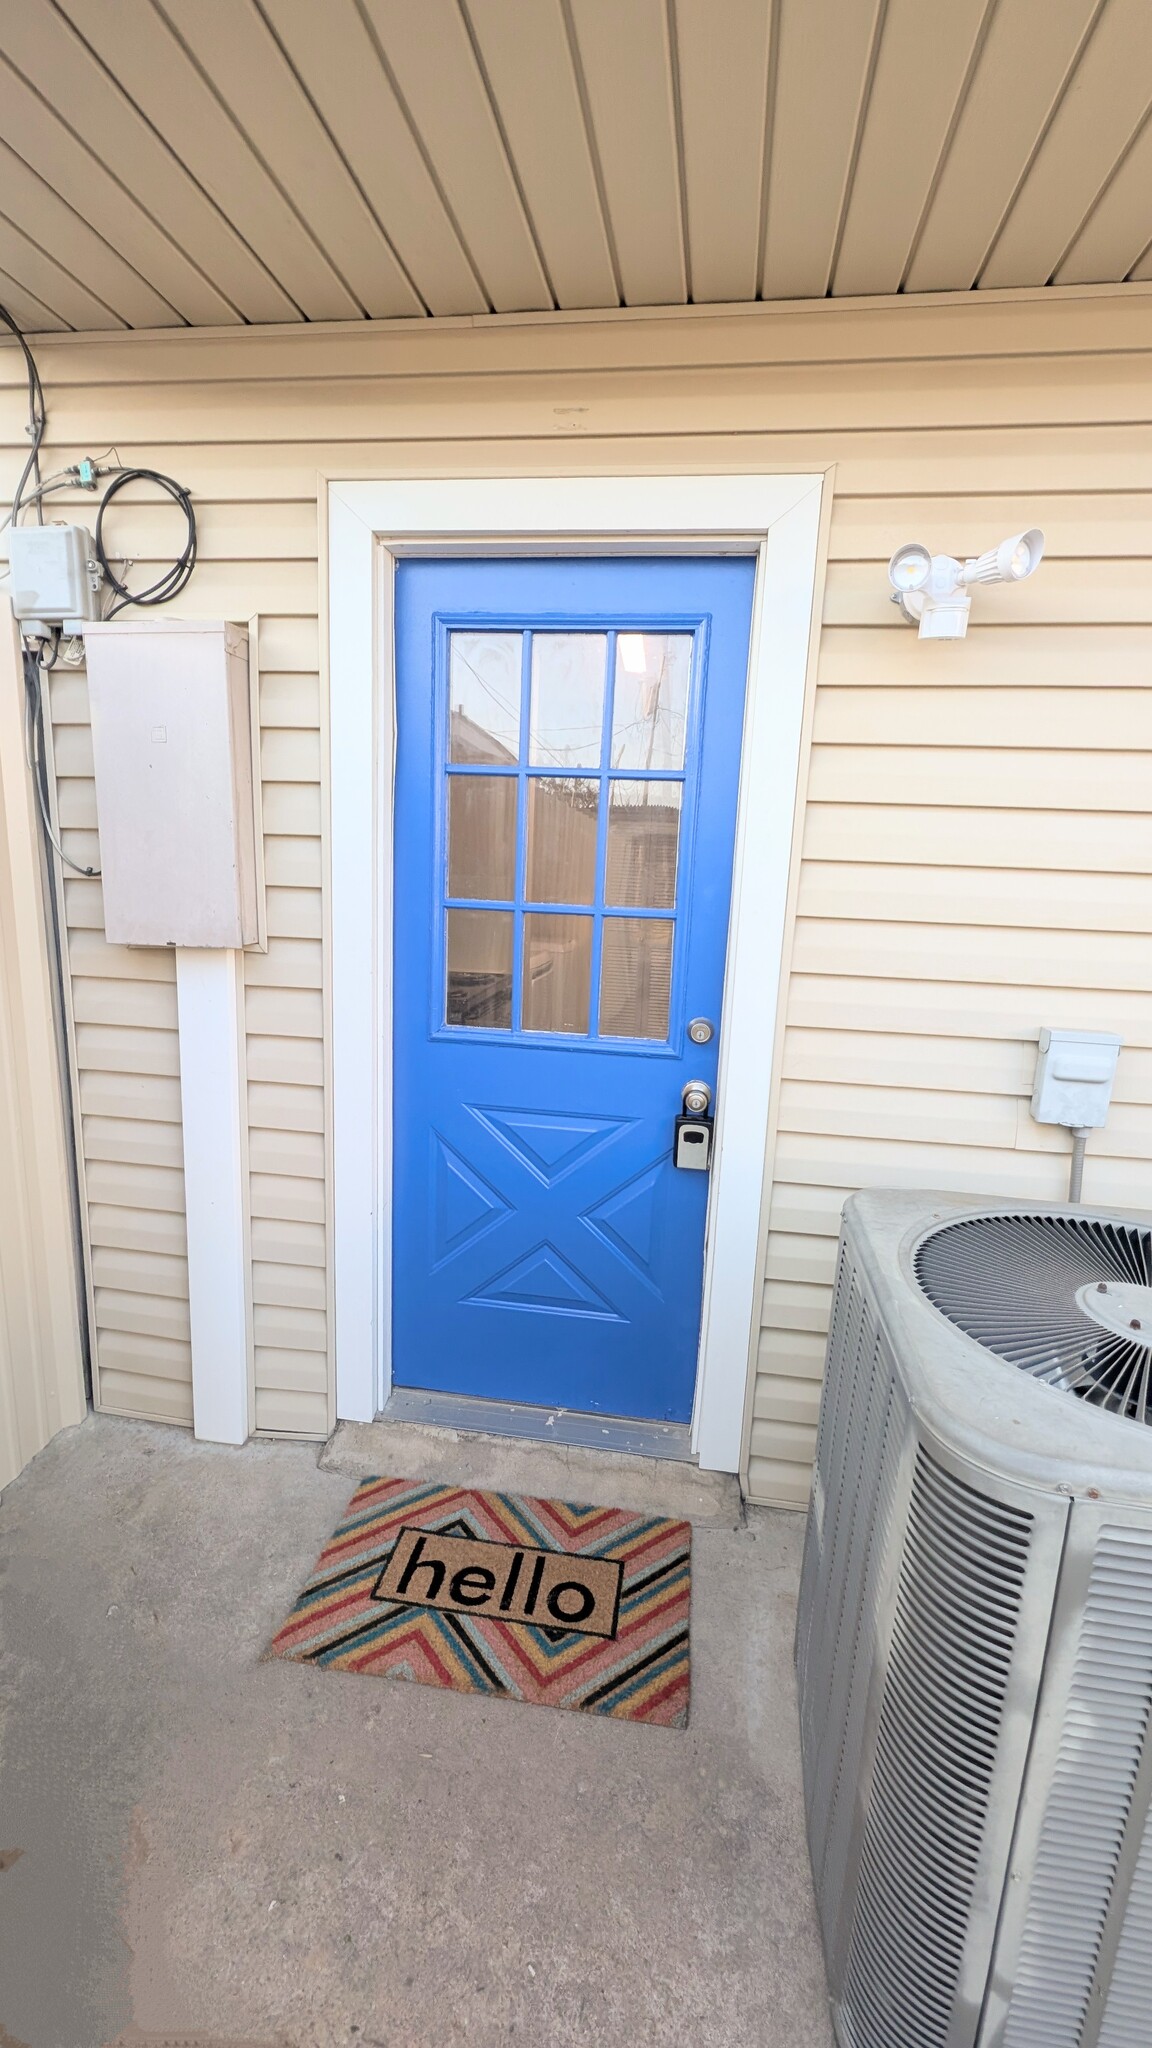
{"x":639,"y":1567}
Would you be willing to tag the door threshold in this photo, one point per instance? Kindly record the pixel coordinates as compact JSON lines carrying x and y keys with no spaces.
{"x":671,"y":1440}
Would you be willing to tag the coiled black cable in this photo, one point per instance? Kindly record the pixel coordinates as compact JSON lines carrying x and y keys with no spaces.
{"x":172,"y":582}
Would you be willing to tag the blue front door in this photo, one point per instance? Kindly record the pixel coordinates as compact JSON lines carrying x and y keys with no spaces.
{"x":568,"y":754}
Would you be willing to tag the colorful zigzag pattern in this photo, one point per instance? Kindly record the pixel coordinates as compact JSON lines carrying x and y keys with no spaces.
{"x":640,"y":1675}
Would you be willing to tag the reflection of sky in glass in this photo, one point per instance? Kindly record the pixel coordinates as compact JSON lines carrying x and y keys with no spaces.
{"x":567,"y":709}
{"x":484,"y":694}
{"x":650,"y":706}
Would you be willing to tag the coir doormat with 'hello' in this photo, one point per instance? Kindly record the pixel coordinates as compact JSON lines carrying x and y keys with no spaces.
{"x":488,"y":1592}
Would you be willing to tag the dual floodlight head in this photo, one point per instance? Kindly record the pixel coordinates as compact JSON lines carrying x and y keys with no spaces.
{"x":934,"y":591}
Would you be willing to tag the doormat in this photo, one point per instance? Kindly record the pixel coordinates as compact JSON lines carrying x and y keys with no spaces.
{"x":579,"y":1607}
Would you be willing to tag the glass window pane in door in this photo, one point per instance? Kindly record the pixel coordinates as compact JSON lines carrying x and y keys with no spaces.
{"x":567,"y":711}
{"x":635,"y":977}
{"x":643,"y":843}
{"x":479,"y":992}
{"x":484,"y":698}
{"x":650,"y":704}
{"x":557,"y":972}
{"x":562,"y":818}
{"x":482,"y":835}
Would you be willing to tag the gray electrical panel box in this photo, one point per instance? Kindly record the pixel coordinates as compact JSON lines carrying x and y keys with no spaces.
{"x":55,"y":579}
{"x":172,"y":755}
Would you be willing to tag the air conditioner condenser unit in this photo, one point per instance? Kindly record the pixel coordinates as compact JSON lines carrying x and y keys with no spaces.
{"x":974,"y":1646}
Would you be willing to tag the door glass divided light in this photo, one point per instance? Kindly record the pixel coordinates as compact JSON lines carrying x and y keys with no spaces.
{"x":562,"y":825}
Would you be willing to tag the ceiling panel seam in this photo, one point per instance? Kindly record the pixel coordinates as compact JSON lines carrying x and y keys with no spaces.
{"x":505,"y":144}
{"x":593,"y":147}
{"x":385,"y":237}
{"x":65,"y":268}
{"x":1058,"y":99}
{"x":945,"y":149}
{"x":133,"y":198}
{"x":37,"y":294}
{"x":211,"y":87}
{"x":673,"y":48}
{"x":424,"y":154}
{"x":184,"y":168}
{"x":863,"y":105}
{"x":11,"y":288}
{"x":1130,"y":274}
{"x":770,"y":88}
{"x":1109,"y":181}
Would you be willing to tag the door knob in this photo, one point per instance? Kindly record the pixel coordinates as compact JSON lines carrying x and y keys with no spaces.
{"x":692,"y":1145}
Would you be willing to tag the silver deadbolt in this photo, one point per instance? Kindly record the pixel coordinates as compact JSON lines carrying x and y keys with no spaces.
{"x":701,"y":1030}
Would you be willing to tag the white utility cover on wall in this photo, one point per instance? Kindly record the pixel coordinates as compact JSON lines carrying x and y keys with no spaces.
{"x":1074,"y":1075}
{"x":172,"y":751}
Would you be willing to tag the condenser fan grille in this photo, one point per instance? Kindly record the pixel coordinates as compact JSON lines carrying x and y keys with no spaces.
{"x":1066,"y":1298}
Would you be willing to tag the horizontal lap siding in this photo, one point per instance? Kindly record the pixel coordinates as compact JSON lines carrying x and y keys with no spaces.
{"x":41,"y":1364}
{"x":976,"y":861}
{"x":284,"y":1019}
{"x":974,"y":845}
{"x":126,"y":1091}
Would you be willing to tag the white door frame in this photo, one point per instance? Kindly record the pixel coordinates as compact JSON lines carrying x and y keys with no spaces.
{"x":370,"y":524}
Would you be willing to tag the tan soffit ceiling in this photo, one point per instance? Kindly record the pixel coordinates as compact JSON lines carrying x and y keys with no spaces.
{"x":214,"y":161}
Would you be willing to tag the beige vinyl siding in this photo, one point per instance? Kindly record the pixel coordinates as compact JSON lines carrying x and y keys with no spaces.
{"x":284,"y":1022}
{"x":126,"y":1099}
{"x":41,"y":1363}
{"x":973,"y":849}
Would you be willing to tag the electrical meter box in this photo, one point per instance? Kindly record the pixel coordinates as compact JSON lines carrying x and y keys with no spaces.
{"x":172,"y":756}
{"x":1074,"y":1075}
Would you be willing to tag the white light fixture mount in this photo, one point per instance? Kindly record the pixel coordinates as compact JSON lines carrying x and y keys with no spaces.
{"x":934,"y":591}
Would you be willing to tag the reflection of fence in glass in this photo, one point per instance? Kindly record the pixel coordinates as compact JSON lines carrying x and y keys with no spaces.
{"x":562,"y":823}
{"x":482,"y":836}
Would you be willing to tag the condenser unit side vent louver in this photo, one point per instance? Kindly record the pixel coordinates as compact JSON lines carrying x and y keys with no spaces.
{"x":961,"y":1577}
{"x":974,"y":1644}
{"x":1093,"y":1779}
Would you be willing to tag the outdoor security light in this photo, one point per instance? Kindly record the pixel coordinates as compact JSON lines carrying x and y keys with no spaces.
{"x":933,"y":591}
{"x":1011,"y":562}
{"x":910,"y":567}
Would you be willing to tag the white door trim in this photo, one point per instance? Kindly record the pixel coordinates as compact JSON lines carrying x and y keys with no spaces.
{"x":369,"y":525}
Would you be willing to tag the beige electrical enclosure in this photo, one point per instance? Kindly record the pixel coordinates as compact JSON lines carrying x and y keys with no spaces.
{"x":172,"y":757}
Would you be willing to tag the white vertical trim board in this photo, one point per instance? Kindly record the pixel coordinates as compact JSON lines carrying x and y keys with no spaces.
{"x":260,"y":944}
{"x":361,"y":958}
{"x":209,"y":996}
{"x":369,"y":525}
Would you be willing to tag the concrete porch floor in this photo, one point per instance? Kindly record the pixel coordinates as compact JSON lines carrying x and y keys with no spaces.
{"x":218,"y":1851}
